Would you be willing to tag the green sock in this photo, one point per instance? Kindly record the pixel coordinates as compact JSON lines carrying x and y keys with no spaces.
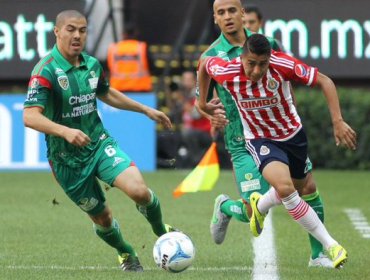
{"x":314,"y":200}
{"x":235,"y":209}
{"x":113,"y":237}
{"x":152,"y":212}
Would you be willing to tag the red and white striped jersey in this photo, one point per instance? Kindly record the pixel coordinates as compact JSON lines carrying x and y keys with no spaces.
{"x":266,"y":107}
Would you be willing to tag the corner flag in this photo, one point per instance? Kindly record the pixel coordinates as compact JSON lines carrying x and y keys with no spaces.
{"x":204,"y":175}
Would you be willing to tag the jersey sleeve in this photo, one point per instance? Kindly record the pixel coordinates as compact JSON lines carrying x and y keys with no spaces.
{"x":39,"y":88}
{"x":217,"y":69}
{"x":211,"y":88}
{"x":103,"y":84}
{"x":293,"y":69}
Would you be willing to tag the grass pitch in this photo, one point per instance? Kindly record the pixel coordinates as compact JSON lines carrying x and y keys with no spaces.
{"x":43,"y":235}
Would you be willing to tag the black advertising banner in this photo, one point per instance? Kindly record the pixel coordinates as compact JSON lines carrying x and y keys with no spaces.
{"x":332,"y":35}
{"x":26,"y":33}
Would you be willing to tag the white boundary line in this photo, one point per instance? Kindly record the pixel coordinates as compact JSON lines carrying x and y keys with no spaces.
{"x":101,"y":268}
{"x":265,"y":266}
{"x":358,"y":221}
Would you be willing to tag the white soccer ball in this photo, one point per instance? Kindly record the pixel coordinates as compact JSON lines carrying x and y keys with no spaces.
{"x":174,"y":252}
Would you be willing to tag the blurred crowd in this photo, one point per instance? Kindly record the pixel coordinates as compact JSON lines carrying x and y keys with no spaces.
{"x":184,"y":145}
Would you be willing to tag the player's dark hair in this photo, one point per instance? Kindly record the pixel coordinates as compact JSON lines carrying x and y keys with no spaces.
{"x":257,"y":44}
{"x":253,"y":9}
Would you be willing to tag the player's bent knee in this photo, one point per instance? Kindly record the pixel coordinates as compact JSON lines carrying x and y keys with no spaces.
{"x":141,"y":195}
{"x":104,"y":218}
{"x":310,"y":186}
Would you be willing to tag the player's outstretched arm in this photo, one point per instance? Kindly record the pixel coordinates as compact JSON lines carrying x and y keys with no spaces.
{"x":343,"y":133}
{"x":33,"y":118}
{"x":204,"y":81}
{"x":119,"y":100}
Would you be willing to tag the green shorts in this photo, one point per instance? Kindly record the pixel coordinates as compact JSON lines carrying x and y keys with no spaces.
{"x":82,"y":185}
{"x":248,"y":177}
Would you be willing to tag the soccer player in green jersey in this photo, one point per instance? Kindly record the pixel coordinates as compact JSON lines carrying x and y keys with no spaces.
{"x":229,"y":16}
{"x":62,"y":103}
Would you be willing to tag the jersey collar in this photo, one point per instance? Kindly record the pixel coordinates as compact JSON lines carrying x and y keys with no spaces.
{"x":63,"y":63}
{"x":226,"y":44}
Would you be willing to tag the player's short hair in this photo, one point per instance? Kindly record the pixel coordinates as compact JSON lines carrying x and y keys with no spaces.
{"x":257,"y":44}
{"x":66,"y":14}
{"x":253,"y":9}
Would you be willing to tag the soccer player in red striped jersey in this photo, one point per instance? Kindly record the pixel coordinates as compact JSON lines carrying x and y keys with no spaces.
{"x":258,"y":81}
{"x":228,"y":16}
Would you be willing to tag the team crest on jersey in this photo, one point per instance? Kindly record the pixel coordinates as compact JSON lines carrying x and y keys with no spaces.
{"x":272,"y":84}
{"x":300,"y":70}
{"x":63,"y":82}
{"x":264,"y":150}
{"x":92,"y":73}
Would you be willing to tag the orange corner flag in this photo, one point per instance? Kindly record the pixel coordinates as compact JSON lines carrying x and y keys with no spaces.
{"x":203,"y":177}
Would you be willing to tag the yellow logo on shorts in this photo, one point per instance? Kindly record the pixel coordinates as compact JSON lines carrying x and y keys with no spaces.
{"x":248,"y":176}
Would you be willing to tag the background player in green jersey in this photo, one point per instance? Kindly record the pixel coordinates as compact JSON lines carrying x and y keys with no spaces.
{"x":61,"y":102}
{"x":229,"y":16}
{"x":253,"y":19}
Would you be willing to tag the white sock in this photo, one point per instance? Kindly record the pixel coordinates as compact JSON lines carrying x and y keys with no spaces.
{"x":268,"y":200}
{"x":303,"y":214}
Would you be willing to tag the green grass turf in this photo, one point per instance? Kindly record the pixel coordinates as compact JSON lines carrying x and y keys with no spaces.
{"x":40,"y":240}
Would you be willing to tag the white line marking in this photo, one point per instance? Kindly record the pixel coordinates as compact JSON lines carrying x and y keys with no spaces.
{"x":265,"y":266}
{"x":97,"y":268}
{"x":359,"y":221}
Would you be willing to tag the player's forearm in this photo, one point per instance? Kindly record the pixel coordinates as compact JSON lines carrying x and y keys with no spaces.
{"x":203,"y":82}
{"x":33,"y":118}
{"x":119,"y":100}
{"x":331,"y":96}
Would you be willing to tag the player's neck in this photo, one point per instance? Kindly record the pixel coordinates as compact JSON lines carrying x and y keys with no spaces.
{"x":237,"y":38}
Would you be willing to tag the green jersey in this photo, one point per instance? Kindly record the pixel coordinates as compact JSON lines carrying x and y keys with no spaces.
{"x":234,"y":137}
{"x":68,"y":96}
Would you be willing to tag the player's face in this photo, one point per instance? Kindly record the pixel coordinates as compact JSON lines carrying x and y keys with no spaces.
{"x":252,"y":22}
{"x":71,"y":37}
{"x":255,"y":66}
{"x":228,"y":15}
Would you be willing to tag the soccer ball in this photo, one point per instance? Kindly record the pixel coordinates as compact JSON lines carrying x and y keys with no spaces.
{"x":174,"y":252}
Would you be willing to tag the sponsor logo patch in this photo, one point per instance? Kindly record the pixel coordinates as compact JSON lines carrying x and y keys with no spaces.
{"x":223,"y":55}
{"x":93,"y":83}
{"x":59,"y":71}
{"x":35,"y":83}
{"x":260,"y":103}
{"x":300,"y":70}
{"x":251,"y":185}
{"x":117,"y":160}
